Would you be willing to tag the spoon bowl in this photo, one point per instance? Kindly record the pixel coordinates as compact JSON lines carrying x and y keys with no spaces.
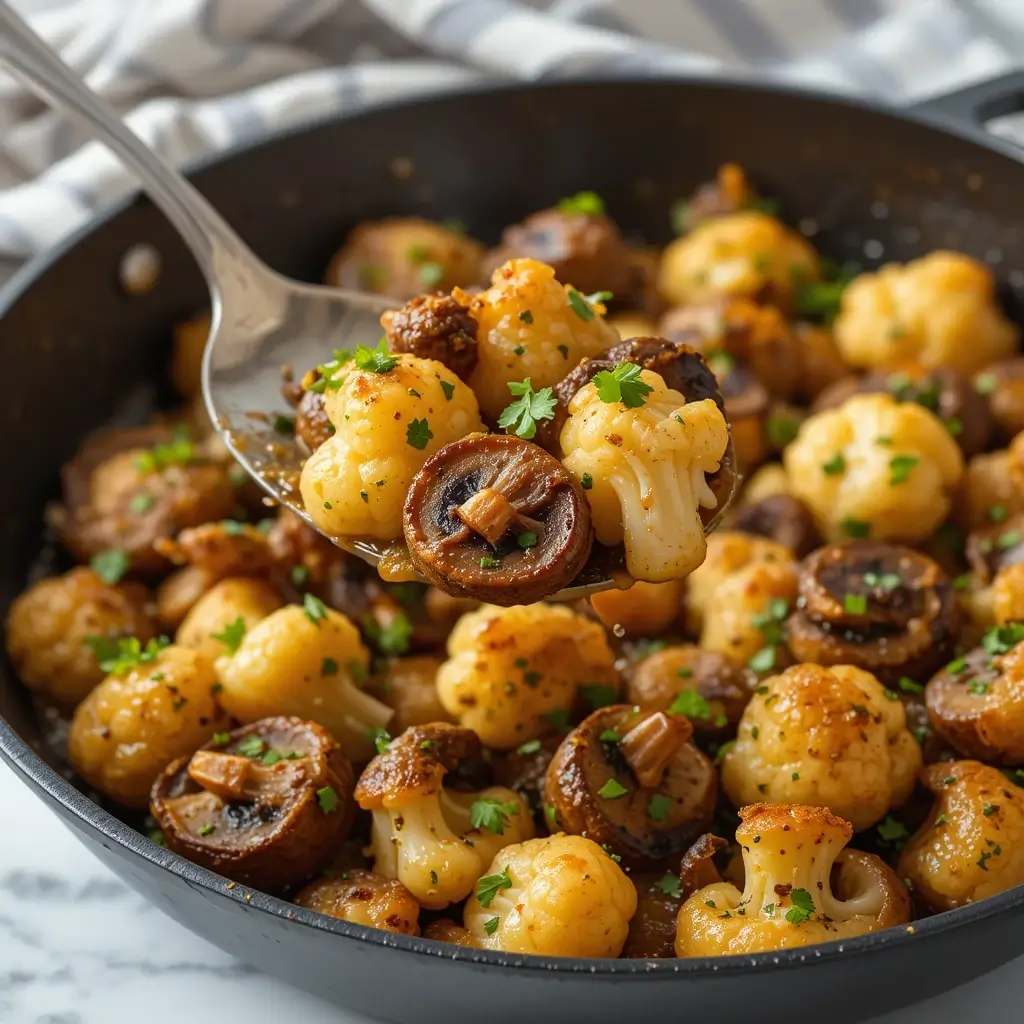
{"x":263,"y":325}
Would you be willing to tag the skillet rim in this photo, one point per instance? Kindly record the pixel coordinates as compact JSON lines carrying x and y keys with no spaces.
{"x":38,"y":775}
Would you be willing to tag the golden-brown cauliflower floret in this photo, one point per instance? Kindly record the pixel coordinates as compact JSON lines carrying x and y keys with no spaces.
{"x":648,"y":466}
{"x":729,"y":552}
{"x":221,"y":617}
{"x":387,"y":425}
{"x":826,"y":737}
{"x":992,"y":485}
{"x":557,"y":896}
{"x":409,"y":687}
{"x":435,"y":841}
{"x":972,"y":844}
{"x":1008,"y":594}
{"x":875,"y":467}
{"x":741,"y":254}
{"x":362,"y":897}
{"x":508,"y":669}
{"x":765,"y":483}
{"x":800,"y":888}
{"x":306,"y":662}
{"x":405,"y":256}
{"x":157,"y":705}
{"x":530,"y":325}
{"x":48,"y":625}
{"x":743,"y":609}
{"x":939,"y":310}
{"x":645,"y":609}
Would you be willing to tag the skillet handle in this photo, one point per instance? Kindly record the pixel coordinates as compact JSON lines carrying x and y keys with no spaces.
{"x":211,"y":240}
{"x":975,"y":105}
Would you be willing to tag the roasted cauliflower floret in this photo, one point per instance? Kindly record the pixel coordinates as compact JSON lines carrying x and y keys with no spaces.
{"x":939,"y":310}
{"x":436,"y":842}
{"x":875,"y":467}
{"x":826,"y":737}
{"x":511,"y":670}
{"x":308,"y":662}
{"x":1008,"y":594}
{"x":157,"y":704}
{"x":221,"y":617}
{"x":992,"y":481}
{"x":746,"y":254}
{"x":972,"y":844}
{"x":647,"y":464}
{"x":52,"y":629}
{"x":387,"y":422}
{"x":645,"y":609}
{"x":728,"y":553}
{"x":800,"y":888}
{"x":557,"y":896}
{"x":530,"y":325}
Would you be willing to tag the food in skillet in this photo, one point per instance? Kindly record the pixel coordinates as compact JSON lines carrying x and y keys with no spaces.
{"x":806,"y":726}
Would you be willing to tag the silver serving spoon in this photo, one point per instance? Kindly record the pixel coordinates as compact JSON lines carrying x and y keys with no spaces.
{"x":261,"y":321}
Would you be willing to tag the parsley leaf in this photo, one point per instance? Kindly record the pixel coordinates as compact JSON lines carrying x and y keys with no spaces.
{"x":327,"y":799}
{"x":579,"y":305}
{"x":490,"y":885}
{"x":491,"y":925}
{"x":529,"y":747}
{"x":375,"y":360}
{"x":598,"y":695}
{"x":658,"y":807}
{"x":491,"y":815}
{"x":1002,"y":639}
{"x":117,"y":656}
{"x":612,"y":790}
{"x":691,"y":704}
{"x":250,"y":746}
{"x":802,"y":908}
{"x":530,"y":406}
{"x":527,"y":540}
{"x":892,"y":831}
{"x":232,"y":635}
{"x":623,"y":384}
{"x":900,"y":467}
{"x":381,"y":739}
{"x":314,"y":608}
{"x":855,"y":528}
{"x":670,"y":886}
{"x":448,"y":389}
{"x":587,"y":203}
{"x":418,"y":434}
{"x":835,"y":465}
{"x":110,"y":565}
{"x":391,"y":637}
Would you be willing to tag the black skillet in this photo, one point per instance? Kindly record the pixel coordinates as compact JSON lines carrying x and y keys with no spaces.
{"x":867,"y":184}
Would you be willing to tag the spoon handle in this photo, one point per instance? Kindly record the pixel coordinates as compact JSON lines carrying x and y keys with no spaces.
{"x":206,"y":233}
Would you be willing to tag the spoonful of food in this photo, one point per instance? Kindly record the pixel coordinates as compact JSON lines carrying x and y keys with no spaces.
{"x":509,"y":523}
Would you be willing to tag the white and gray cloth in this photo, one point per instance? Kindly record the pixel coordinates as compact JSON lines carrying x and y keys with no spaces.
{"x":196,"y":76}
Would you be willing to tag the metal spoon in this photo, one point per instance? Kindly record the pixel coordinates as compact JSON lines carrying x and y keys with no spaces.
{"x":261,"y":321}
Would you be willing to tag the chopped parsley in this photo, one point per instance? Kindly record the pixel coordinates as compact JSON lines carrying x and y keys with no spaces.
{"x":802,"y":908}
{"x":989,"y":809}
{"x":529,"y":406}
{"x":232,"y":635}
{"x":892,"y":831}
{"x":1007,"y":540}
{"x":526,"y":316}
{"x":178,"y":452}
{"x":527,"y":540}
{"x":586,"y":481}
{"x":609,"y":736}
{"x":691,"y":704}
{"x":327,"y":799}
{"x":298,"y":574}
{"x":598,"y":695}
{"x":328,"y":667}
{"x":375,"y":360}
{"x":120,"y":655}
{"x":855,"y":528}
{"x":141,"y":503}
{"x":763,"y":660}
{"x":529,"y":747}
{"x":1002,"y":639}
{"x":391,"y":637}
{"x":207,"y":830}
{"x":835,"y":465}
{"x":623,"y":384}
{"x":659,"y":806}
{"x":284,"y":424}
{"x":590,"y":204}
{"x":431,"y":273}
{"x":579,"y":305}
{"x":490,"y":885}
{"x":314,"y":608}
{"x":997,"y":513}
{"x":448,"y":388}
{"x":855,"y":604}
{"x":110,"y":565}
{"x":487,"y":562}
{"x":886,"y":581}
{"x":782,"y":429}
{"x":418,"y":434}
{"x":381,"y":739}
{"x":491,"y":815}
{"x":985,"y":383}
{"x":250,"y":746}
{"x":900,"y":467}
{"x":908,"y":685}
{"x":221,"y":739}
{"x":612,"y":790}
{"x":670,"y":886}
{"x":491,"y":925}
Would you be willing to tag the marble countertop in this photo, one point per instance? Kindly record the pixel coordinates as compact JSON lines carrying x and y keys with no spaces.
{"x":79,"y":947}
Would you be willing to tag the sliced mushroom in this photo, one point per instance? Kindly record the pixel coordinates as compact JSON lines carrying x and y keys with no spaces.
{"x":697,"y":868}
{"x":720,"y":686}
{"x":523,"y":771}
{"x":942,"y":391}
{"x":652,"y":929}
{"x":586,"y":250}
{"x":267,"y":805}
{"x":435,"y":327}
{"x":1002,"y":384}
{"x":633,"y":783}
{"x":747,"y":404}
{"x":996,"y":547}
{"x":976,"y":703}
{"x":362,"y":897}
{"x":498,"y":519}
{"x":782,"y":518}
{"x":881,"y":607}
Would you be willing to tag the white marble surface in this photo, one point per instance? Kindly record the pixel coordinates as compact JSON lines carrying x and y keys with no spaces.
{"x":78,"y":947}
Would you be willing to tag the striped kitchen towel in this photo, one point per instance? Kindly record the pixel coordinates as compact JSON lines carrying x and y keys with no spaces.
{"x":195,"y":76}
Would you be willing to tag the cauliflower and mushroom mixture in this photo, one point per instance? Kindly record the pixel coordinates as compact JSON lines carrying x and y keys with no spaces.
{"x":466,"y":762}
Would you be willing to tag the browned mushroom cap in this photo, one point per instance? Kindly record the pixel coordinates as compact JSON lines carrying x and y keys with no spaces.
{"x":585,"y":250}
{"x":715,"y":689}
{"x":746,"y":408}
{"x":652,"y":929}
{"x":633,"y":783}
{"x":416,"y":763}
{"x":1002,"y":384}
{"x":128,"y":487}
{"x":364,"y":898}
{"x":434,"y":327}
{"x":523,"y":771}
{"x":266,"y":805}
{"x":312,"y":426}
{"x":782,"y":518}
{"x":946,"y":393}
{"x":976,"y":703}
{"x":728,"y":192}
{"x":997,"y":546}
{"x":882,"y":607}
{"x":497,"y":518}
